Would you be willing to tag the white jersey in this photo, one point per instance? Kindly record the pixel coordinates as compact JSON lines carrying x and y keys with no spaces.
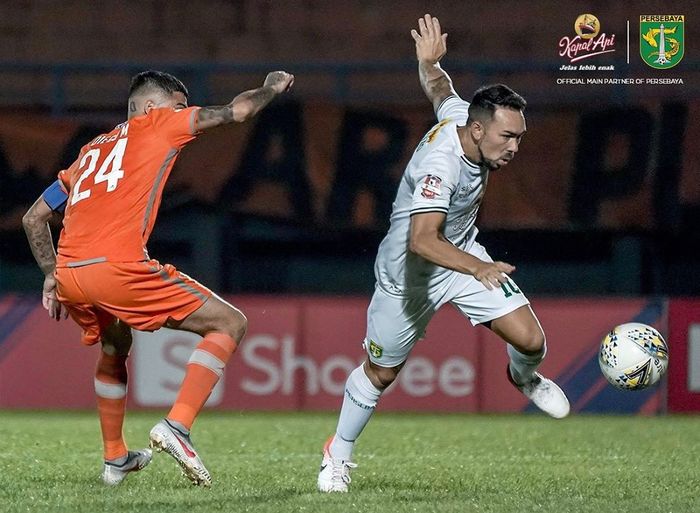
{"x":438,"y":178}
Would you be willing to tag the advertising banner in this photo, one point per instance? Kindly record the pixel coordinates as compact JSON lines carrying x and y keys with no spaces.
{"x":299,"y":350}
{"x":684,"y":355}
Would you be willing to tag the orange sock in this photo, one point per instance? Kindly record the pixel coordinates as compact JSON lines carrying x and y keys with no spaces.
{"x":110,"y":388}
{"x":205,"y":367}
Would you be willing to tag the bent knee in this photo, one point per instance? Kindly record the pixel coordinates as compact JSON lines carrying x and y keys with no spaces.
{"x":240,"y":325}
{"x":235,"y":324}
{"x":534,"y":342}
{"x":382,"y":377}
{"x":116,"y":339}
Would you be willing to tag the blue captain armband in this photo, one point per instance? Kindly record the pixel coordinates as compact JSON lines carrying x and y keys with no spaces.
{"x":55,"y":197}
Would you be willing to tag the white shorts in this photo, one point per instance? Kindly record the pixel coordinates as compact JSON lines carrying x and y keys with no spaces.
{"x":395,"y":323}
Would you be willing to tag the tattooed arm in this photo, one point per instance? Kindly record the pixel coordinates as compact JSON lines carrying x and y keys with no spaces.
{"x":36,"y":226}
{"x":247,"y":104}
{"x":431,"y":46}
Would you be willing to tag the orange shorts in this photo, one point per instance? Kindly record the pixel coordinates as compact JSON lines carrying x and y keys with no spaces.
{"x":145,"y":295}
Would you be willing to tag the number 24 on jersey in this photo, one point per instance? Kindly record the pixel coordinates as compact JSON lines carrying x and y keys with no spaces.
{"x":110,"y":171}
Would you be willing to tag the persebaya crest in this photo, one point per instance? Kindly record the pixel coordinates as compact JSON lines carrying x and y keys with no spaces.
{"x":662,"y":39}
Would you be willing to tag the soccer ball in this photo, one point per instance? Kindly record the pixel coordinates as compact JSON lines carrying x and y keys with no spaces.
{"x":633,"y":356}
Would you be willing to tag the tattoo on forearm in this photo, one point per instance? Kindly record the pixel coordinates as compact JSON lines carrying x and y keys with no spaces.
{"x":222,"y":114}
{"x":39,"y":236}
{"x":243,"y":106}
{"x":260,"y":97}
{"x":435,"y":82}
{"x":249,"y":103}
{"x":439,"y":87}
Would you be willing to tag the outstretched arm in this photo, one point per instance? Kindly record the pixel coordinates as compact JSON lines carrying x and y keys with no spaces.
{"x":36,"y":226}
{"x":431,"y":46}
{"x":247,"y":104}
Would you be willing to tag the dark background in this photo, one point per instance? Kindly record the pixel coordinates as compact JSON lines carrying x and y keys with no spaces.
{"x":629,"y":184}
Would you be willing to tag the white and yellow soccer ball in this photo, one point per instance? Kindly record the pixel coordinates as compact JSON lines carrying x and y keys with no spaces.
{"x":633,"y":356}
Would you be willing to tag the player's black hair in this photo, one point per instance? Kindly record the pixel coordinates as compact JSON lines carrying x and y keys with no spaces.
{"x":158,"y":79}
{"x":488,"y":97}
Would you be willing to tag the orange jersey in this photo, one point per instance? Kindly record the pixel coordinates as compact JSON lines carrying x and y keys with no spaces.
{"x":115,"y":187}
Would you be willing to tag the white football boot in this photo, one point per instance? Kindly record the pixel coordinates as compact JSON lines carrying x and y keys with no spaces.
{"x":545,"y":394}
{"x":166,"y":438}
{"x":113,"y":474}
{"x":334,"y":475}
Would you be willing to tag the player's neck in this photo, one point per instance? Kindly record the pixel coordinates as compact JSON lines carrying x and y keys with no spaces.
{"x":470,"y":149}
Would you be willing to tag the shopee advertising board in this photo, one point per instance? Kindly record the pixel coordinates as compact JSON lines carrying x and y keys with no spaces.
{"x":299,"y":351}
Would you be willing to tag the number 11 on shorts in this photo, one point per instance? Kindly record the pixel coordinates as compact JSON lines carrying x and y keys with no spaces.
{"x":509,"y":288}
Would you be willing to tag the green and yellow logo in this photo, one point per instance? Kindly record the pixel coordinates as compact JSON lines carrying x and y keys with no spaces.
{"x":662,"y":39}
{"x":375,"y":349}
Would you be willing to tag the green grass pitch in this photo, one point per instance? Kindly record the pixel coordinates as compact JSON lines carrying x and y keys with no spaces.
{"x":51,"y":461}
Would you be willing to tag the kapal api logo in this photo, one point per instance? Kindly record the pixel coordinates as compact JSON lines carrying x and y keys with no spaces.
{"x":588,"y":42}
{"x":662,"y":39}
{"x":587,"y":26}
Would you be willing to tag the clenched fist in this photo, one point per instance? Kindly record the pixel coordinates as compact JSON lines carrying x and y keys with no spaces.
{"x":280,"y":81}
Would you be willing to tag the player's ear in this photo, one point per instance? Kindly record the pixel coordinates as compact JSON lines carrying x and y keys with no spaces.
{"x":148,"y":106}
{"x":476,"y":129}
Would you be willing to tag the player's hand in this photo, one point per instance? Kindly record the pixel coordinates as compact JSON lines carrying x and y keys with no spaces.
{"x":493,"y":274}
{"x":49,"y":301}
{"x":431,"y":43}
{"x":280,"y":81}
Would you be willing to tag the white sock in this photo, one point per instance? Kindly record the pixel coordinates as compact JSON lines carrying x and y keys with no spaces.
{"x":523,"y":366}
{"x":360,"y":399}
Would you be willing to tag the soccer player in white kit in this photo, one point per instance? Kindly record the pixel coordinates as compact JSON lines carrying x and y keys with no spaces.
{"x":430,"y":256}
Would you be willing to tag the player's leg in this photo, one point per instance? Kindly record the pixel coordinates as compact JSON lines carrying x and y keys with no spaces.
{"x":363,"y":389}
{"x":111,"y":380}
{"x":110,"y":373}
{"x":526,"y":350}
{"x":110,"y":388}
{"x":359,"y":401}
{"x":393,"y":327}
{"x":222,"y":327}
{"x":526,"y":341}
{"x":506,"y":311}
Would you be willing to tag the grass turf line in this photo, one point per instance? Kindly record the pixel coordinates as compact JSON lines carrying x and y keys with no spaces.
{"x":269,"y":462}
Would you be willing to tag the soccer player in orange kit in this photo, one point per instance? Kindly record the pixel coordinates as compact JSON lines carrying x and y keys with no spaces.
{"x":104,"y":278}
